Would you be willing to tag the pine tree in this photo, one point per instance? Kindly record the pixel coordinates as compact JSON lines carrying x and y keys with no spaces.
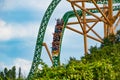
{"x":19,"y":74}
{"x":5,"y":71}
{"x":118,"y":37}
{"x":2,"y":75}
{"x":13,"y":71}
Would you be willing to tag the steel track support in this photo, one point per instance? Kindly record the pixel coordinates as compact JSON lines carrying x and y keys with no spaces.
{"x":90,"y":13}
{"x":110,"y":16}
{"x":108,"y":21}
{"x":85,"y":32}
{"x":95,"y":33}
{"x":91,"y":37}
{"x":78,"y":17}
{"x":49,"y":54}
{"x":105,"y":25}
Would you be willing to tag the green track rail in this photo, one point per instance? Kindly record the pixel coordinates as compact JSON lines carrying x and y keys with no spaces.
{"x":66,"y":17}
{"x":105,"y":1}
{"x":40,"y":38}
{"x":42,"y":30}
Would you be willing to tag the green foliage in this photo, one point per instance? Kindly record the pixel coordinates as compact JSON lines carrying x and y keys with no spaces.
{"x":13,"y":72}
{"x":102,"y":64}
{"x":2,"y":75}
{"x":6,"y":72}
{"x":9,"y":74}
{"x":118,"y":36}
{"x":20,"y":77}
{"x":111,"y":39}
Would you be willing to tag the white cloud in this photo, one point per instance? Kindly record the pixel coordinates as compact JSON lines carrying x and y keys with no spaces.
{"x":24,"y":64}
{"x":2,"y":66}
{"x":5,"y":32}
{"x":11,"y":31}
{"x":26,"y":4}
{"x":35,"y":5}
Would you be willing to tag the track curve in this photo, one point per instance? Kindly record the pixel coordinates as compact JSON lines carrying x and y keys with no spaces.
{"x":40,"y":38}
{"x":43,"y":27}
{"x":66,"y":17}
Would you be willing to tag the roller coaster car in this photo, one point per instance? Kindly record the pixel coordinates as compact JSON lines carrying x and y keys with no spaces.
{"x":55,"y":53}
{"x":57,"y":34}
{"x":55,"y":43}
{"x":54,"y":48}
{"x":59,"y":22}
{"x":58,"y":29}
{"x":56,"y":37}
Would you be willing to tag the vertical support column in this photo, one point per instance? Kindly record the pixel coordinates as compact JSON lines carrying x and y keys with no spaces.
{"x":105,"y":25}
{"x":105,"y":30}
{"x":84,"y":28}
{"x":110,"y":10}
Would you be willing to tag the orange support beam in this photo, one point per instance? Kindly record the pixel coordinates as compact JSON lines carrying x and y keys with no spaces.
{"x":45,"y":45}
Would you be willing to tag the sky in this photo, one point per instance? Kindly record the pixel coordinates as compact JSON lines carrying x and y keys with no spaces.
{"x":19,"y":25}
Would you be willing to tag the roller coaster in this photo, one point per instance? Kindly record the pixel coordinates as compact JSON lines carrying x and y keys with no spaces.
{"x":106,"y":15}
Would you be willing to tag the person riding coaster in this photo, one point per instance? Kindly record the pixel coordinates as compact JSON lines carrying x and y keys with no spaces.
{"x":56,"y":37}
{"x":59,"y":22}
{"x":58,"y":29}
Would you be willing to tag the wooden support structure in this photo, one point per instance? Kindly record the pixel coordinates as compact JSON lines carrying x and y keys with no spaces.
{"x":110,"y":15}
{"x":77,"y":17}
{"x":101,"y":11}
{"x":116,"y":16}
{"x":105,"y":24}
{"x":82,"y":8}
{"x":106,"y":17}
{"x":85,"y":32}
{"x":77,"y":31}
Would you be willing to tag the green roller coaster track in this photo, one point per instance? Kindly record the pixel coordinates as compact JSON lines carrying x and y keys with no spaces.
{"x":66,"y":17}
{"x":42,"y":30}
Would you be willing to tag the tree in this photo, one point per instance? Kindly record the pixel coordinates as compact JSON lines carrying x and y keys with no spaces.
{"x":19,"y":73}
{"x":109,"y":40}
{"x":93,"y":49}
{"x":10,"y":74}
{"x":118,"y":36}
{"x":2,"y":75}
{"x":13,"y":72}
{"x":101,"y":64}
{"x":6,"y":72}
